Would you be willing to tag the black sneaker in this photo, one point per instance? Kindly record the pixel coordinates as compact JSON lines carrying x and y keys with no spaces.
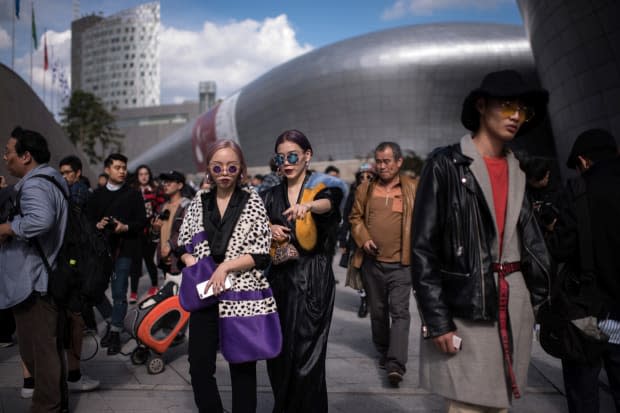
{"x":105,"y":340}
{"x":114,"y":345}
{"x":363,"y":310}
{"x":394,"y":378}
{"x":382,"y":361}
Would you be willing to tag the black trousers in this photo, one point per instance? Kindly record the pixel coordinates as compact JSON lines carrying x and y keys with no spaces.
{"x":388,"y":288}
{"x":7,"y":325}
{"x":202,"y":351}
{"x":582,"y":384}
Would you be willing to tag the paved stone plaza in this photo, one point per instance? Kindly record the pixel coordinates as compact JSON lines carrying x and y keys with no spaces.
{"x":355,"y":383}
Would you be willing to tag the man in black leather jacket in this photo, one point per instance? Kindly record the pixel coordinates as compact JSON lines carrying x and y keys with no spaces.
{"x":479,"y":261}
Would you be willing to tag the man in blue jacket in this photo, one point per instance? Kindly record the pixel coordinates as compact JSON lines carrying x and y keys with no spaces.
{"x":23,"y":277}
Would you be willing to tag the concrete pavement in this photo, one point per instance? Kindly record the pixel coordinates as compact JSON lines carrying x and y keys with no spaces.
{"x":355,"y":383}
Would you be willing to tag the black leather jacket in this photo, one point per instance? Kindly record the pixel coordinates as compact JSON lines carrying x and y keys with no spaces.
{"x":453,"y":231}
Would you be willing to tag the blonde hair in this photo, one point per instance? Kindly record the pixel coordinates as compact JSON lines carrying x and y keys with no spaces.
{"x":223,"y":144}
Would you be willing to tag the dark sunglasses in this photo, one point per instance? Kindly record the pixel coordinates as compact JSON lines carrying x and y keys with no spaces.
{"x":218,"y":170}
{"x":291,"y":158}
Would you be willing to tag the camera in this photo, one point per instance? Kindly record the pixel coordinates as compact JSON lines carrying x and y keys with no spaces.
{"x":547,"y":213}
{"x":8,"y":210}
{"x":164,"y":215}
{"x":111,"y":225}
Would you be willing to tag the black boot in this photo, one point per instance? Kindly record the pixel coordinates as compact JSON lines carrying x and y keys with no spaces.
{"x":363,"y":310}
{"x":105,"y":340}
{"x":114,"y":346}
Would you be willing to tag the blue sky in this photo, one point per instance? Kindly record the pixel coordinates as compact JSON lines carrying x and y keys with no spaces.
{"x":217,"y":38}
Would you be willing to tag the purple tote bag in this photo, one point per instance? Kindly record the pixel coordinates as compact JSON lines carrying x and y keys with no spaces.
{"x":244,"y":339}
{"x":194,"y":275}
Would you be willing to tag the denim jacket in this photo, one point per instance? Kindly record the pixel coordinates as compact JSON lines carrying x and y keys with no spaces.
{"x":44,"y":216}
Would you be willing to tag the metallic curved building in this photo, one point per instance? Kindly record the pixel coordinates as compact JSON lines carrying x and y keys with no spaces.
{"x":405,"y":84}
{"x":20,"y":106}
{"x":577,"y":53}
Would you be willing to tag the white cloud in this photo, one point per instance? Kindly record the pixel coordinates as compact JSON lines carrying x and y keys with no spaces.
{"x":401,"y":8}
{"x":5,"y":39}
{"x":231,"y":54}
{"x":58,"y":52}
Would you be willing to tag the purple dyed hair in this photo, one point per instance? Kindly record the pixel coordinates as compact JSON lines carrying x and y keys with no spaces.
{"x":295,"y":136}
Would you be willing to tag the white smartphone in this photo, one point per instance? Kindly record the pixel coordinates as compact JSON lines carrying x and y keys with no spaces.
{"x":201,"y":288}
{"x":457,"y":341}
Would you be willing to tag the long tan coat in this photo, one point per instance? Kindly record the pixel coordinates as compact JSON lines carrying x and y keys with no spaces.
{"x":476,"y":373}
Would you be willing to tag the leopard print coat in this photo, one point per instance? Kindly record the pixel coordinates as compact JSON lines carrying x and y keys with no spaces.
{"x":251,"y":235}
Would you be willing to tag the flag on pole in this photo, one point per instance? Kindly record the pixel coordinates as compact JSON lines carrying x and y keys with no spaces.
{"x":45,"y":61}
{"x":17,"y":8}
{"x":35,"y":42}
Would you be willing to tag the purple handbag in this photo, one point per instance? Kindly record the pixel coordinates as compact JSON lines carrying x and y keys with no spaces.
{"x":250,"y":338}
{"x":194,"y":275}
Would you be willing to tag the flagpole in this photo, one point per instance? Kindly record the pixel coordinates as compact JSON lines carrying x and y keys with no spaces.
{"x":31,"y":45}
{"x":13,"y":38}
{"x":44,"y":67}
{"x":52,"y":93}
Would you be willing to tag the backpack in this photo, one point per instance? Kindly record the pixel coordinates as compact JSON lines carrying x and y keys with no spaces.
{"x":84,"y":264}
{"x":568,"y":321}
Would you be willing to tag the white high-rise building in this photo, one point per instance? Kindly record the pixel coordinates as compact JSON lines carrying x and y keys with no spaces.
{"x":117,"y":57}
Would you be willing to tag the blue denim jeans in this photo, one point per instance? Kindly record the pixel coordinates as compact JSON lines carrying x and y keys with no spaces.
{"x":119,"y":284}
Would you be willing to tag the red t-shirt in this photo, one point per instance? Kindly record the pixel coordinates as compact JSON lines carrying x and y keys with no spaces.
{"x":498,"y":173}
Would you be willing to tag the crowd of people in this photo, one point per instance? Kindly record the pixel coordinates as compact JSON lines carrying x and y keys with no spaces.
{"x":476,"y":237}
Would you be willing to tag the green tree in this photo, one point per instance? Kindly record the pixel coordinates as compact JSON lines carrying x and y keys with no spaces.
{"x":90,"y":126}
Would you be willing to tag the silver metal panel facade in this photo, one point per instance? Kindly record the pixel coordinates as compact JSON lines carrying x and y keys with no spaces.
{"x":404,"y":84}
{"x":576,"y":45}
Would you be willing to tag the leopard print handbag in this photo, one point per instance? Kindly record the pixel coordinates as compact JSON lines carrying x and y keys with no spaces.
{"x":283,"y":251}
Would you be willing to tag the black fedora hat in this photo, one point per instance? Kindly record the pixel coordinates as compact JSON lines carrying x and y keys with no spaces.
{"x":504,"y":84}
{"x":596,"y":143}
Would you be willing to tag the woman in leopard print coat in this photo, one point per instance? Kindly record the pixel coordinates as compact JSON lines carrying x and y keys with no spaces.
{"x":228,"y":222}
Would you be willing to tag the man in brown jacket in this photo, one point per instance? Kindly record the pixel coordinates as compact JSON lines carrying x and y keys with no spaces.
{"x":381,"y":227}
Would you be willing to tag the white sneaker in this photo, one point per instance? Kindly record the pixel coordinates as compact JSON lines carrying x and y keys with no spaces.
{"x":85,"y":383}
{"x":26,"y":393}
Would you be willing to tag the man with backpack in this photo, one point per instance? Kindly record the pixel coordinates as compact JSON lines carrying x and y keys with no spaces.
{"x":119,"y":213}
{"x":23,"y":276}
{"x":70,"y":168}
{"x":586,"y":238}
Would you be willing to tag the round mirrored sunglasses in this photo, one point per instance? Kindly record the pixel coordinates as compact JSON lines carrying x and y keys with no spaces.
{"x":291,"y":158}
{"x":218,"y":169}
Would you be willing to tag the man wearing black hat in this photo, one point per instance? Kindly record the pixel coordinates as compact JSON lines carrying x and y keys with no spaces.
{"x":595,"y":156}
{"x":169,"y":221}
{"x":479,"y":261}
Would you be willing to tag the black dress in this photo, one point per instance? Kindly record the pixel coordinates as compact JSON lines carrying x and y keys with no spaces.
{"x":304,"y":292}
